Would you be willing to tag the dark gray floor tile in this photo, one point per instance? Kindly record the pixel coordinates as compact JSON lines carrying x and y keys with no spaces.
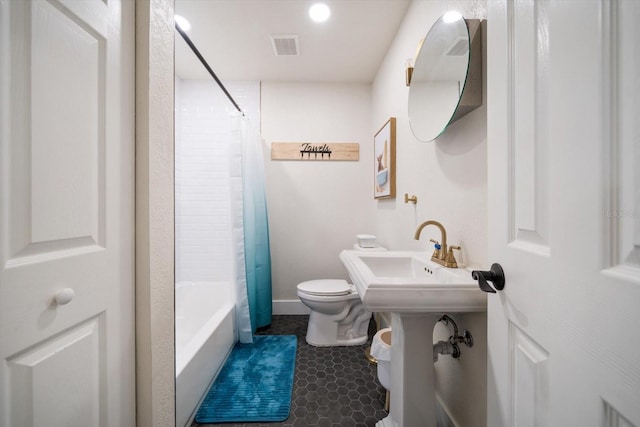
{"x":333,"y":386}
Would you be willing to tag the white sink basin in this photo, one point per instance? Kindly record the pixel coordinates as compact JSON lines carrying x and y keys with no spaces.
{"x":417,"y":292}
{"x":409,"y":282}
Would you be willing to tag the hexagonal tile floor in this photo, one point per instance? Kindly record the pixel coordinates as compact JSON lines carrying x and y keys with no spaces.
{"x":333,"y":386}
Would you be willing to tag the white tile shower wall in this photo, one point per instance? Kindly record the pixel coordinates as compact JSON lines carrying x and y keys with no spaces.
{"x":203,"y":236}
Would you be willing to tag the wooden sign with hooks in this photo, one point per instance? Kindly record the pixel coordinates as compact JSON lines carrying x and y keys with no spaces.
{"x":315,"y":151}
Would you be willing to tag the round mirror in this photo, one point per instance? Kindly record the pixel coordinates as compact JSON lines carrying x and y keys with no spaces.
{"x":439,"y":77}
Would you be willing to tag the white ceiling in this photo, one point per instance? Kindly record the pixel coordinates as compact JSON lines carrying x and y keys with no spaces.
{"x":234,"y":37}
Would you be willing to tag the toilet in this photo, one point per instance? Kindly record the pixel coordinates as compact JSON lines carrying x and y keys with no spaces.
{"x":337,"y":317}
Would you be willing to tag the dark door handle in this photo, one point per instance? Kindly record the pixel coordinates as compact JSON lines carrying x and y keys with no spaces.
{"x":495,"y":276}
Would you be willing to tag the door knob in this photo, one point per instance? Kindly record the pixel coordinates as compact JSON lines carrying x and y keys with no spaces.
{"x":64,"y":296}
{"x":495,"y":276}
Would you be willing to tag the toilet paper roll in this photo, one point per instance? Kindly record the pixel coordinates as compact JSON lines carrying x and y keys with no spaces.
{"x":380,"y":349}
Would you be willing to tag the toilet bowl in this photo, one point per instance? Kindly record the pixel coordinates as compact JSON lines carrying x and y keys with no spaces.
{"x":337,"y":317}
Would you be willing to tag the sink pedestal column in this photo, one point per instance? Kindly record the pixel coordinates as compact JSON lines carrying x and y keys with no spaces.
{"x":412,"y":373}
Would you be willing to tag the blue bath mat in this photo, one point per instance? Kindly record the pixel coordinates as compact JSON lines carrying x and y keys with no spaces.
{"x":255,"y":383}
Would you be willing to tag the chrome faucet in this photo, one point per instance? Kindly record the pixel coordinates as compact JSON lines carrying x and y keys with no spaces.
{"x":440,"y":254}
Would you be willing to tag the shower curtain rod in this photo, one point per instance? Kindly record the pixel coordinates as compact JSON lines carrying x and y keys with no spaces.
{"x":206,"y":65}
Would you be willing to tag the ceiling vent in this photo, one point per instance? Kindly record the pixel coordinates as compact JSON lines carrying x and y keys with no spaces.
{"x":285,"y":44}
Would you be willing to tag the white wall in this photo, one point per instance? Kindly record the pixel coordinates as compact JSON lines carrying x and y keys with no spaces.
{"x":203,"y":227}
{"x":449,"y":178}
{"x":316,"y":208}
{"x":448,"y":175}
{"x":155,"y":361}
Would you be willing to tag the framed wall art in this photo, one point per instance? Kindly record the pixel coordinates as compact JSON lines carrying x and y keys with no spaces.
{"x":384,"y":161}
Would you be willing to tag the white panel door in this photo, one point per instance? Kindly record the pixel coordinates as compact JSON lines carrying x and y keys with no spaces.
{"x":564,"y":212}
{"x":66,"y":213}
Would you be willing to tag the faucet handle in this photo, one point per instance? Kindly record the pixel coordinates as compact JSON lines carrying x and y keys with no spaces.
{"x":451,"y":259}
{"x":437,"y":250}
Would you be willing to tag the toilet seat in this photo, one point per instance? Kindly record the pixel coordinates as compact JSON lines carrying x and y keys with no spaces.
{"x":337,"y":315}
{"x":327,"y":287}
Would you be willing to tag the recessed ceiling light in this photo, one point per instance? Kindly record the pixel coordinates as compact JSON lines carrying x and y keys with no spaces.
{"x":182,"y":22}
{"x":451,"y":16}
{"x":319,"y":12}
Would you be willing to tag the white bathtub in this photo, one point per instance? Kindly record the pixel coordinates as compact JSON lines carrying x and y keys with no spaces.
{"x":205,"y":334}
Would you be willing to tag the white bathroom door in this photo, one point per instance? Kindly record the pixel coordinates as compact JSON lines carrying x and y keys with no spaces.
{"x":66,"y":213}
{"x":564,"y":212}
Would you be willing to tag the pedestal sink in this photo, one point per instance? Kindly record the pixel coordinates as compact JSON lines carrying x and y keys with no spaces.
{"x":417,"y":292}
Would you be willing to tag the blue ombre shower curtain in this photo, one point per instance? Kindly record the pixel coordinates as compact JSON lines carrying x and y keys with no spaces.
{"x":251,"y":229}
{"x":256,"y":230}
